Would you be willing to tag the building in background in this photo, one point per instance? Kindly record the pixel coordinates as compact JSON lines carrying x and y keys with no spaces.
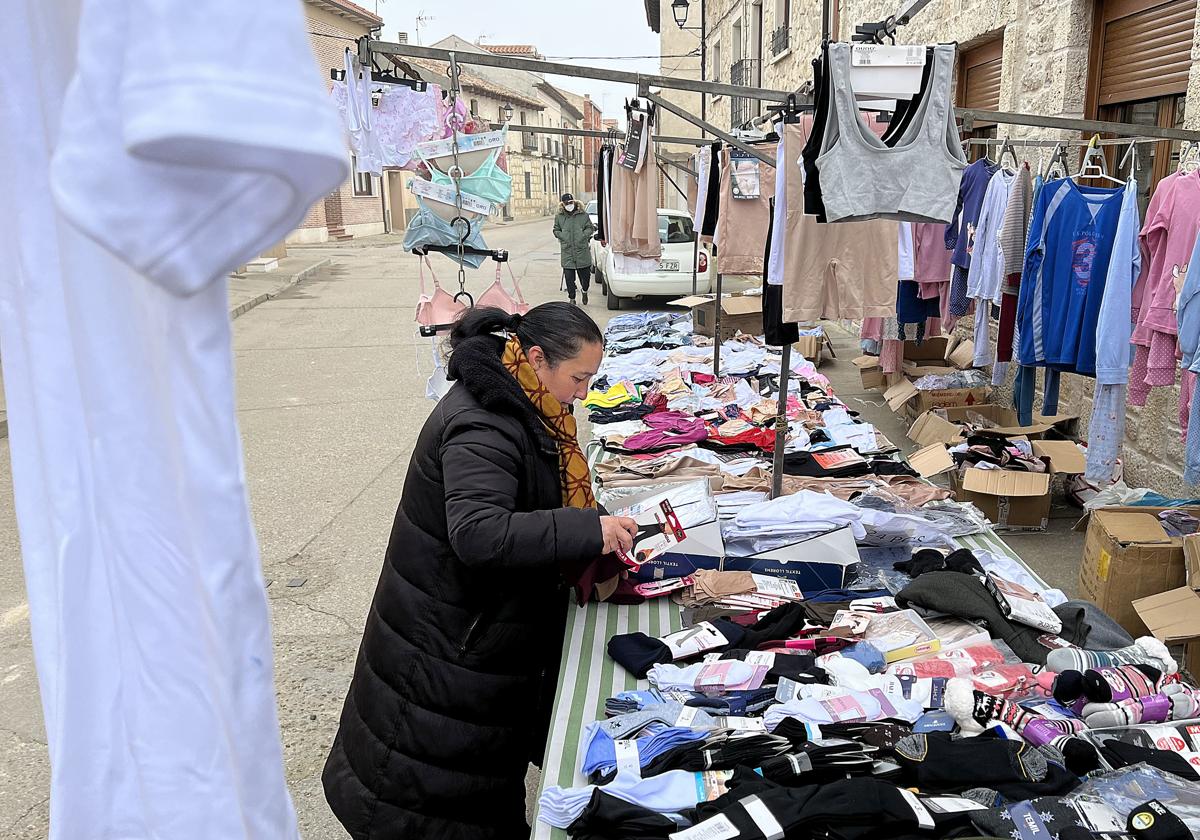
{"x":360,"y":206}
{"x":1121,"y":60}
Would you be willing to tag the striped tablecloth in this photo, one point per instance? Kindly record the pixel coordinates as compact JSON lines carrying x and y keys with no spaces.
{"x":589,"y":677}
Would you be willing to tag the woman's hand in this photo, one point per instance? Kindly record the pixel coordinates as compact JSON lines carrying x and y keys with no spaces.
{"x":618,"y":532}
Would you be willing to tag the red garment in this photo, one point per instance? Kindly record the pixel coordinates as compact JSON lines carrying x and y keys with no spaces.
{"x":764,"y":439}
{"x":1008,"y":319}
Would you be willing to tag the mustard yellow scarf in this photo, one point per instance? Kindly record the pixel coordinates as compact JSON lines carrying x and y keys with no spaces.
{"x":574,"y":475}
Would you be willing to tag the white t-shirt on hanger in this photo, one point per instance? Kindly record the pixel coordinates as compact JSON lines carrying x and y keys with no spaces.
{"x":185,"y":138}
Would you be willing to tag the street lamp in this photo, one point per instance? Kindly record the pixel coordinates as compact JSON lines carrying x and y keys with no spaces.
{"x":508,"y":112}
{"x":679,"y":9}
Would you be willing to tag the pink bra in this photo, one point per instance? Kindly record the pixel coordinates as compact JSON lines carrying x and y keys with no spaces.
{"x":498,"y":296}
{"x":441,"y":308}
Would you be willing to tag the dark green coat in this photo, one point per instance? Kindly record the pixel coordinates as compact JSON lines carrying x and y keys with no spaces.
{"x":574,"y":233}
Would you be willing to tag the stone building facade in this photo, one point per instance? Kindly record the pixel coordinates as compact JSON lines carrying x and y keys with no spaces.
{"x":1040,"y":57}
{"x":357,"y":208}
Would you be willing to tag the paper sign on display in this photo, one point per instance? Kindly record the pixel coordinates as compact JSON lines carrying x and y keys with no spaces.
{"x":745,"y":175}
{"x":777,"y":587}
{"x":698,"y":639}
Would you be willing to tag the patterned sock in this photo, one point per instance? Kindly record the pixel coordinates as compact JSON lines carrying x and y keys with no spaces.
{"x":1068,"y":687}
{"x":1185,"y":702}
{"x":988,"y":708}
{"x":1147,"y":650}
{"x":1153,"y":709}
{"x":1112,"y":685}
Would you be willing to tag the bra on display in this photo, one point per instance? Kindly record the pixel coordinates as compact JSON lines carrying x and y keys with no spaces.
{"x":478,"y":155}
{"x":440,"y":307}
{"x":438,"y":222}
{"x":498,"y":296}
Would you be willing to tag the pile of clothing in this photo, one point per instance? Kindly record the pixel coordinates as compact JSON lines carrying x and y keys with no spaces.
{"x":925,"y":712}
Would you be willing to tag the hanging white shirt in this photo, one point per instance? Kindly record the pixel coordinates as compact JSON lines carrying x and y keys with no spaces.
{"x":178,"y":153}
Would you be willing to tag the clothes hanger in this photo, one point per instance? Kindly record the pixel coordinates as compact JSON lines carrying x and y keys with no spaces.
{"x":1058,"y":158}
{"x":1094,"y":165}
{"x":1007,"y":148}
{"x":1131,"y":152}
{"x":1189,"y":157}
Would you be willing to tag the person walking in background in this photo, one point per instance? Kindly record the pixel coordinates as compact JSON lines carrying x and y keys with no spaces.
{"x":573,"y":229}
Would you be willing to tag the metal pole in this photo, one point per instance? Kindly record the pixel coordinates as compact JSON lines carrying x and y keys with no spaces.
{"x":703,"y":66}
{"x":578,"y":71}
{"x":717,"y":332}
{"x":726,"y":136}
{"x":695,"y":257}
{"x":970,"y":115}
{"x":587,"y":132}
{"x":781,"y":423}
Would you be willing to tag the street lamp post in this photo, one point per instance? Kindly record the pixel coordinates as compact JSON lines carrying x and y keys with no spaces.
{"x":508,"y":112}
{"x":679,"y":9}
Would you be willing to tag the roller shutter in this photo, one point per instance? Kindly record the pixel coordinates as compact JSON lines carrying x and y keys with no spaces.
{"x":1145,"y":49}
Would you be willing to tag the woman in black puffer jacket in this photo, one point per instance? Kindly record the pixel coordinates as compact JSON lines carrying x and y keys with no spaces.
{"x":451,"y":694}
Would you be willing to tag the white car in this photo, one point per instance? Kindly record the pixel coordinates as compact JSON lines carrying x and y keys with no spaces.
{"x":674,"y":275}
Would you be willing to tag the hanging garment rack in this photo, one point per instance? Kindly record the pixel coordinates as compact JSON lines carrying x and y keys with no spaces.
{"x":871,"y":32}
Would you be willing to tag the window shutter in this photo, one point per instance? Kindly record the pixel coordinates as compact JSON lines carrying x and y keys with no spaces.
{"x":1146,"y":49}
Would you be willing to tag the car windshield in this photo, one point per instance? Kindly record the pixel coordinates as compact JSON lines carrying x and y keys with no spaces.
{"x":591,"y":207}
{"x":674,"y":230}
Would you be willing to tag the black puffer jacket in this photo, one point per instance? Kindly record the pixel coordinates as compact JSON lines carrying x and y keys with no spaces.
{"x":451,"y":690}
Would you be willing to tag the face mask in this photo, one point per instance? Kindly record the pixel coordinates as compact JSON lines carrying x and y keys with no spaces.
{"x":570,"y":205}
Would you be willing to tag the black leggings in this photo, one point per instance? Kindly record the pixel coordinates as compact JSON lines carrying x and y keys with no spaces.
{"x":585,"y":278}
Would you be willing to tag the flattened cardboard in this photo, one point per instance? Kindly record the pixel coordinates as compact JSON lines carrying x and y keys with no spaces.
{"x":930,"y":428}
{"x":899,"y":394}
{"x":913,"y":370}
{"x":691,"y":300}
{"x":741,"y":305}
{"x":1173,"y":617}
{"x":962,"y":356}
{"x":1065,"y":456}
{"x":1004,"y":417}
{"x":865,"y":362}
{"x":1130,"y":527}
{"x":1006,"y":482}
{"x":932,"y":460}
{"x":1191,"y":559}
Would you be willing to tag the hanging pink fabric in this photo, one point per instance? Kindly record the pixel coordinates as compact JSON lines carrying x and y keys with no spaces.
{"x":498,"y":296}
{"x":439,"y":308}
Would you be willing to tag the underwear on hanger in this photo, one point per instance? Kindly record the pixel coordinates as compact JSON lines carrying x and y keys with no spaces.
{"x":478,"y":156}
{"x":498,"y":296}
{"x":435,"y":221}
{"x":439,"y":308}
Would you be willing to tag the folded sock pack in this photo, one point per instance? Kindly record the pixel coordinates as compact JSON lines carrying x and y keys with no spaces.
{"x":638,"y":653}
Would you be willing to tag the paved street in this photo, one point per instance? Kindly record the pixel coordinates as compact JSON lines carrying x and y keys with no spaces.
{"x":331,"y":388}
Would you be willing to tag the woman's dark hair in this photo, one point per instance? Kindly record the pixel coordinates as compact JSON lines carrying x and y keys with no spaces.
{"x":559,"y":328}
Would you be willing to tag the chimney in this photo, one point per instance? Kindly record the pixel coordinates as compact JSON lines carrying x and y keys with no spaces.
{"x":402,"y":37}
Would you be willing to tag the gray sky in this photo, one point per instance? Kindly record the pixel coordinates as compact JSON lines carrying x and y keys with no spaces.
{"x":557,"y":28}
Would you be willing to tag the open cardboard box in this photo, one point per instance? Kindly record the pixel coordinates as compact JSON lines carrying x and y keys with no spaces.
{"x":1128,"y":556}
{"x":739,"y":313}
{"x":814,"y":347}
{"x":871,"y":372}
{"x":905,"y":398}
{"x":946,"y":425}
{"x":1012,"y":500}
{"x":1173,"y":617}
{"x":941,"y":351}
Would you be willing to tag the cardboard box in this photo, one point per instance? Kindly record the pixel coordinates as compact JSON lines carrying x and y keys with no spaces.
{"x":1191,"y":560}
{"x":945,"y":425}
{"x":814,"y":347}
{"x":1127,"y":556}
{"x":871,"y":372}
{"x":739,"y":313}
{"x":1174,"y":619}
{"x":905,"y":398}
{"x":826,"y":561}
{"x":1012,"y":501}
{"x":944,"y":351}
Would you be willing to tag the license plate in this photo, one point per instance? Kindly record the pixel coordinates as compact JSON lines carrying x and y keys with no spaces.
{"x":668,"y":265}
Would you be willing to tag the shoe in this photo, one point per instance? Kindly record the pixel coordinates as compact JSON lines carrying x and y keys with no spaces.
{"x":585,"y":298}
{"x":573,"y":303}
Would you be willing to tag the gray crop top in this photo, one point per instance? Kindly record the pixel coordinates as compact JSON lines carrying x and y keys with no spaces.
{"x":917,"y":179}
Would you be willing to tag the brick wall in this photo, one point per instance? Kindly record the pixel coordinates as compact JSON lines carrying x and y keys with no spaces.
{"x":341,"y":208}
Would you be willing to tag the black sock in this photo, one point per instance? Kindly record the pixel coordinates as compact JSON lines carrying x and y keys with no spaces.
{"x":1154,"y":821}
{"x":935,"y":760}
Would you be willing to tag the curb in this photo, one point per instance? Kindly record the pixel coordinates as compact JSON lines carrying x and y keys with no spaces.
{"x":243,"y":308}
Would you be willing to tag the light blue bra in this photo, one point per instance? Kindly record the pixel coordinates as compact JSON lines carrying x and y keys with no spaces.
{"x":489,"y":181}
{"x":428,"y":228}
